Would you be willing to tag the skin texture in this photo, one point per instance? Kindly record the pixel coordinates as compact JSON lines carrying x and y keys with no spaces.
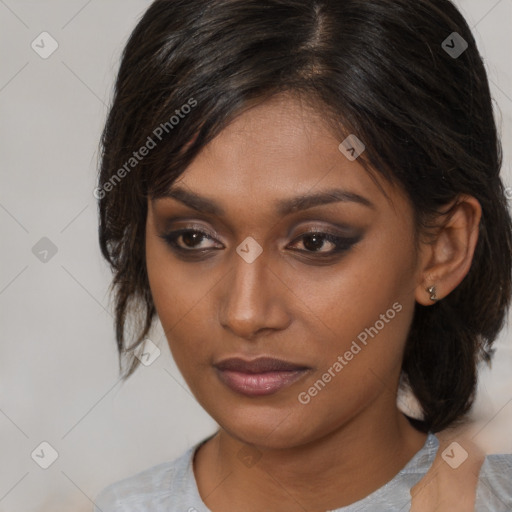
{"x":350,"y":439}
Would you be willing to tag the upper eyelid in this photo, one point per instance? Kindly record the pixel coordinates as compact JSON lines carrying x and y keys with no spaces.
{"x":342,"y":230}
{"x":321,"y":231}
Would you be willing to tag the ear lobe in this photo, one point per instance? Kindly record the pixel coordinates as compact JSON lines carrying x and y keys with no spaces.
{"x":428,"y":293}
{"x":449,"y":256}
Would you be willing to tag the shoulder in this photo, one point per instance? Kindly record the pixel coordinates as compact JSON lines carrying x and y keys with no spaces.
{"x":494,"y":491}
{"x":152,"y":489}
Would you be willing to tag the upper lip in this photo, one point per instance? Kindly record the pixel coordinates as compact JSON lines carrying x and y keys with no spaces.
{"x":259,"y":365}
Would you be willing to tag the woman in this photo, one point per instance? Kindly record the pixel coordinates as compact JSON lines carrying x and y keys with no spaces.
{"x":307,"y":195}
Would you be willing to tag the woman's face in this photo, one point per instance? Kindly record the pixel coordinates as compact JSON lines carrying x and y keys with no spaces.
{"x":250,"y":280}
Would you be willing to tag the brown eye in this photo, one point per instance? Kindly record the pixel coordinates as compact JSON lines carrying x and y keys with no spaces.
{"x":191,"y":238}
{"x":314,"y":241}
{"x":187,"y":240}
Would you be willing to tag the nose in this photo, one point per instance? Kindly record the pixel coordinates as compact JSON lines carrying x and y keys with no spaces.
{"x":253,"y":299}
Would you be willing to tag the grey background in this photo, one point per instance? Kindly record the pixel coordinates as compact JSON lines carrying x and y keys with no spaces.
{"x":58,"y":362}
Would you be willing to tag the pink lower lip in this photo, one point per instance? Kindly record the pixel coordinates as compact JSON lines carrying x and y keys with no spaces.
{"x":258,"y":384}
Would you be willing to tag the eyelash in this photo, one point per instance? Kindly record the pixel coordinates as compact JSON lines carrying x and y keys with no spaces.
{"x":341,"y":244}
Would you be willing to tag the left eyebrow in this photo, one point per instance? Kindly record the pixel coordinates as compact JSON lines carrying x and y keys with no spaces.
{"x":334,"y":195}
{"x":283,"y":206}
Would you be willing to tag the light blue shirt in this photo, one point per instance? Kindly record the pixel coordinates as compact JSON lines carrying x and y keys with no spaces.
{"x":171,"y":487}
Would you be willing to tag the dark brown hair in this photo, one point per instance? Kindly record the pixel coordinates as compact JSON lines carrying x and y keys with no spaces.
{"x":375,"y":68}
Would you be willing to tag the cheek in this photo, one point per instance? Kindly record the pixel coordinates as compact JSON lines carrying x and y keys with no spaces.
{"x":341,"y":302}
{"x":359,"y":329}
{"x":180,"y":293}
{"x":173,"y":286}
{"x":361,"y":313}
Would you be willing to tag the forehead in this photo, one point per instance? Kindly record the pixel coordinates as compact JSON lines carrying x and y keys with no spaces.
{"x":272,"y":155}
{"x":278,"y":149}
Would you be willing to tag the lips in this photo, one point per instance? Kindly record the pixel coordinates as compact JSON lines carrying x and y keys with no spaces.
{"x":262,"y":376}
{"x":260,"y":365}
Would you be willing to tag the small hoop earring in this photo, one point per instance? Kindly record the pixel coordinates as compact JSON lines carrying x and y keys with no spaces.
{"x":432,"y":291}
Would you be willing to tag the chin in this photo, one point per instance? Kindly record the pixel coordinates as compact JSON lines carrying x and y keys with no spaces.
{"x":264,"y":427}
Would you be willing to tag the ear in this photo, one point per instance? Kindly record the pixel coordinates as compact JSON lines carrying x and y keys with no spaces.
{"x":446,"y":260}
